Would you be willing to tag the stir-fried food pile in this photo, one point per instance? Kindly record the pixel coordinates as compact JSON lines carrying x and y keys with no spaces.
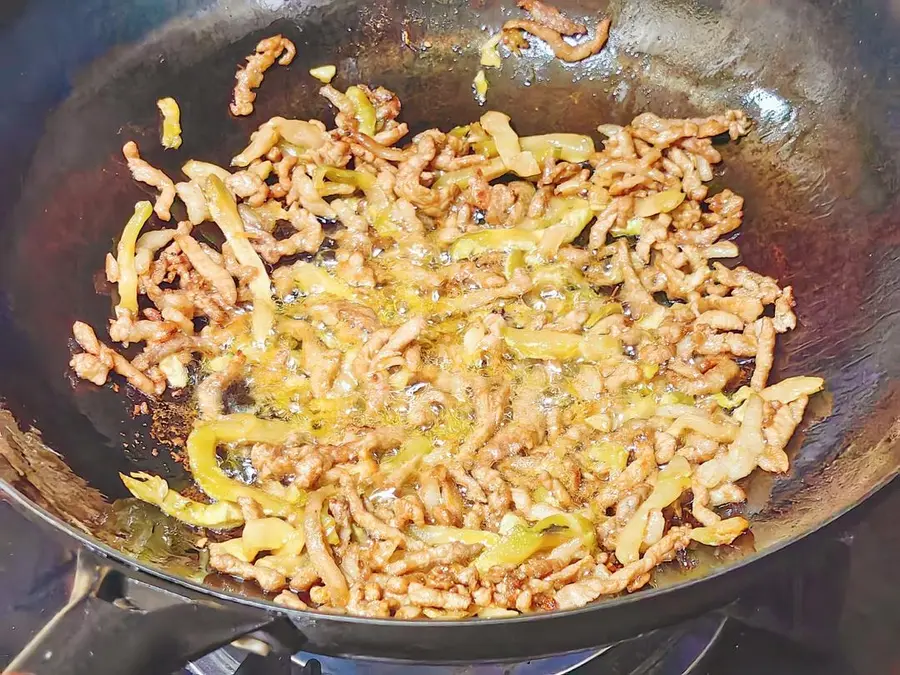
{"x":475,"y":374}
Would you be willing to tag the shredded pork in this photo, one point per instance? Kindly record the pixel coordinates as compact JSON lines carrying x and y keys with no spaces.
{"x":453,"y":407}
{"x":251,"y":75}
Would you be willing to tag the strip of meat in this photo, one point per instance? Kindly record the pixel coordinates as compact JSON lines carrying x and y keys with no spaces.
{"x":582,"y":592}
{"x":562,"y":49}
{"x":778,"y":433}
{"x":214,"y":273}
{"x":319,"y":362}
{"x":371,"y":523}
{"x":250,"y":76}
{"x":304,"y":464}
{"x":490,"y":407}
{"x":211,"y":390}
{"x":153,"y":353}
{"x":408,"y":183}
{"x":268,"y":579}
{"x":785,"y":319}
{"x":126,"y":330}
{"x":518,"y":285}
{"x":104,"y":357}
{"x":307,"y":239}
{"x":552,"y":18}
{"x":765,"y":352}
{"x":145,"y":173}
{"x":290,"y":600}
{"x":303,"y":190}
{"x":443,"y":554}
{"x":397,"y":342}
{"x":248,"y":186}
{"x":423,"y":596}
{"x":192,"y":196}
{"x":320,"y":552}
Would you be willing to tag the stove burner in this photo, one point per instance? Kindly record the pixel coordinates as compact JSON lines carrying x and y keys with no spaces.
{"x":670,"y":651}
{"x":792,"y":618}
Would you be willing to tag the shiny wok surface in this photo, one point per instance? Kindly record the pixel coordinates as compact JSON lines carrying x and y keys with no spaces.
{"x":819,"y":172}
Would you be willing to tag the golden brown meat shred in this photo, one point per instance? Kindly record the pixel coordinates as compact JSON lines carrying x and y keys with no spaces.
{"x":552,"y":18}
{"x":554,"y":39}
{"x":251,"y":75}
{"x":449,"y":388}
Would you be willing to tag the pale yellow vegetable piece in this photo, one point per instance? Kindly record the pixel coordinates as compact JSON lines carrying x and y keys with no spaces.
{"x":433,"y":535}
{"x":323,"y":74}
{"x":199,"y":171}
{"x":480,"y":87}
{"x":671,"y":482}
{"x":520,"y":162}
{"x":233,"y":547}
{"x":661,"y":202}
{"x":171,"y":126}
{"x":224,"y":211}
{"x":125,"y":257}
{"x":175,"y":371}
{"x":154,"y":490}
{"x":723,"y":532}
{"x":490,"y":56}
{"x":272,"y":534}
{"x":201,"y":450}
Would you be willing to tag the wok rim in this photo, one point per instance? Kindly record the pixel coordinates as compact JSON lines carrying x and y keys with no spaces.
{"x":19,"y":500}
{"x":36,"y":512}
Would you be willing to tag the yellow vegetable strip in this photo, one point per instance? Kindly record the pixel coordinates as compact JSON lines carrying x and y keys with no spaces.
{"x":556,"y":345}
{"x":515,"y":547}
{"x":557,"y":209}
{"x":300,"y":133}
{"x":434,"y":535}
{"x":573,"y":148}
{"x":313,"y":280}
{"x":480,"y":87}
{"x":661,"y":202}
{"x":365,"y":111}
{"x":398,"y":467}
{"x":491,"y":241}
{"x":272,"y":534}
{"x":671,"y":482}
{"x":171,"y":126}
{"x":201,"y":450}
{"x":154,"y":490}
{"x":199,"y":171}
{"x":496,"y":124}
{"x":490,"y":170}
{"x":175,"y":371}
{"x":723,"y":532}
{"x":224,"y":212}
{"x":490,"y":57}
{"x":323,"y":74}
{"x":125,"y":257}
{"x":340,"y":179}
{"x":577,"y":526}
{"x":792,"y":388}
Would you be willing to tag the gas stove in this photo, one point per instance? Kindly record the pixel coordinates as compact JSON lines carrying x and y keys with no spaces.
{"x":673,"y":651}
{"x":804,"y":622}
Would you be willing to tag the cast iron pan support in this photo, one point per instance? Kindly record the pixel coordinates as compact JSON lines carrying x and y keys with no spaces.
{"x":101,"y":631}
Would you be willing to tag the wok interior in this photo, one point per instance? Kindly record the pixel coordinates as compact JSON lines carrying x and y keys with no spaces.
{"x":816,"y":173}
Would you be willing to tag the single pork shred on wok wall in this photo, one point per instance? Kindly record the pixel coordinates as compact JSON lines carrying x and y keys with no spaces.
{"x":479,"y":374}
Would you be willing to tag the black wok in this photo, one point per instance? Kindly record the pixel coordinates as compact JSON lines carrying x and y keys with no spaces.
{"x":820,"y":173}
